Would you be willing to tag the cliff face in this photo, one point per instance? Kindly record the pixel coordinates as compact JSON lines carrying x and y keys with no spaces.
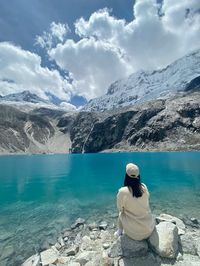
{"x":172,"y":124}
{"x":158,"y":125}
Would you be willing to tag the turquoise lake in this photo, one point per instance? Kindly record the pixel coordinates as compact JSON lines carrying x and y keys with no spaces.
{"x":42,"y":194}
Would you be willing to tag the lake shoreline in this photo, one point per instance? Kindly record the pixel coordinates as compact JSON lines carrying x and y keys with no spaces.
{"x":94,"y":244}
{"x":105,"y":151}
{"x":39,"y":194}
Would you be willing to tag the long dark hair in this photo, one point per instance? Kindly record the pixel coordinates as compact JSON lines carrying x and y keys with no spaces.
{"x":135,"y":185}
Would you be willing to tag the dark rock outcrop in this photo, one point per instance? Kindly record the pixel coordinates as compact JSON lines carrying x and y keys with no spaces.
{"x":193,"y":85}
{"x":81,"y":129}
{"x":172,"y":124}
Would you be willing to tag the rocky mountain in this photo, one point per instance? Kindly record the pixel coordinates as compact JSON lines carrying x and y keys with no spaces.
{"x":143,"y":86}
{"x":34,"y":131}
{"x":158,"y":125}
{"x":151,"y":110}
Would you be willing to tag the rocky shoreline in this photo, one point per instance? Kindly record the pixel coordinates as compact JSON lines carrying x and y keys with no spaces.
{"x":173,"y":242}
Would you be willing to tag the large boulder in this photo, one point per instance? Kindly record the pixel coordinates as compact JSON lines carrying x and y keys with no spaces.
{"x":164,"y":240}
{"x":49,"y":256}
{"x":169,"y":218}
{"x":32,"y":261}
{"x":127,"y":247}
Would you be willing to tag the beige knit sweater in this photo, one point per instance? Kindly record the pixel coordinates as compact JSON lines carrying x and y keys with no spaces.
{"x":135,"y":214}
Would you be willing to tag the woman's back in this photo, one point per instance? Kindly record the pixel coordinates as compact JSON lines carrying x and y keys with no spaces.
{"x":133,"y":204}
{"x":137,"y":206}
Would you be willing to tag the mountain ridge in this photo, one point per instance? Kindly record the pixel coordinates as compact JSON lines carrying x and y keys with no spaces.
{"x":25,"y":96}
{"x":149,"y":85}
{"x":158,"y":125}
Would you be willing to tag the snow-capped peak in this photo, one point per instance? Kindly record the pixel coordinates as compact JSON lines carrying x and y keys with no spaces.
{"x":25,"y":96}
{"x":147,"y":85}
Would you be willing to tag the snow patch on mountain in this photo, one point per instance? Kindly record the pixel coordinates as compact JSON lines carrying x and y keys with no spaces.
{"x":148,"y":85}
{"x":29,"y":100}
{"x":25,"y":96}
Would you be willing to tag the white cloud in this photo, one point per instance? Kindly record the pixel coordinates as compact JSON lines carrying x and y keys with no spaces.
{"x":107,"y":49}
{"x":93,"y":64}
{"x":21,"y":70}
{"x":111,"y":48}
{"x":68,"y":106}
{"x":57,"y":33}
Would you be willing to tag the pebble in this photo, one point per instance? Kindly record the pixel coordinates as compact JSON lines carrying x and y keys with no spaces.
{"x":72,"y":251}
{"x":106,"y":245}
{"x":179,"y":257}
{"x":57,"y":246}
{"x":103,"y":225}
{"x":92,"y":237}
{"x":77,"y":223}
{"x":66,"y":233}
{"x":194,"y":220}
{"x":92,"y":226}
{"x":61,"y":241}
{"x":63,"y":260}
{"x":45,"y":245}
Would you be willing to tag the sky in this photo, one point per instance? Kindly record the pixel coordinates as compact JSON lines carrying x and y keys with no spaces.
{"x":73,"y":50}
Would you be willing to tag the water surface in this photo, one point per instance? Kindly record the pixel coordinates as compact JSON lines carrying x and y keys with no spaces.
{"x":41,"y":194}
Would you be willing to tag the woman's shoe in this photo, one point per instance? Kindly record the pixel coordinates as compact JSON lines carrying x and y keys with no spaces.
{"x":118,"y":233}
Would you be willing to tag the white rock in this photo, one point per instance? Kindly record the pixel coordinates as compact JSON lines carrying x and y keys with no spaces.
{"x":179,"y":257}
{"x":103,"y":225}
{"x":32,"y":261}
{"x":49,"y":256}
{"x":63,"y":260}
{"x":169,"y":218}
{"x":86,"y":243}
{"x":66,"y":233}
{"x":77,"y":223}
{"x":57,"y":246}
{"x":72,"y":263}
{"x":164,"y":239}
{"x":61,"y":241}
{"x":92,"y":226}
{"x":120,"y":262}
{"x":85,"y":257}
{"x":93,"y":236}
{"x":106,"y":245}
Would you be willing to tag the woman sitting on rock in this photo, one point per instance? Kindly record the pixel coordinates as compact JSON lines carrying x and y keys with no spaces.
{"x":135,"y":217}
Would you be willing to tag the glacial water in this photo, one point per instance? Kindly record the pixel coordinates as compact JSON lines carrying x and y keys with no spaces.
{"x":42,"y":194}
